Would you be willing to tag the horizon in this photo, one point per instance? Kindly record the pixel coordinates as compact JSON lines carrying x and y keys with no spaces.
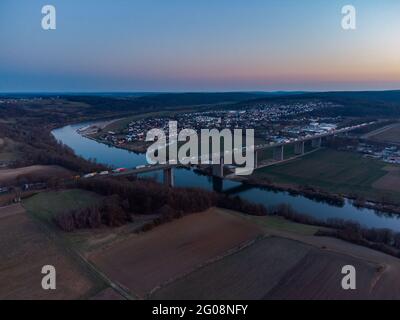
{"x":51,"y":93}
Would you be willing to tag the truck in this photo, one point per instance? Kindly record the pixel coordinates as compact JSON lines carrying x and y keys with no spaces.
{"x":90,"y":175}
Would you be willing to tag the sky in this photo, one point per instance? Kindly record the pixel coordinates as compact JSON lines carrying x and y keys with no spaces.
{"x":199,"y":45}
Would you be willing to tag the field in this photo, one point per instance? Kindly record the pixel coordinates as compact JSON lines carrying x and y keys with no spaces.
{"x":389,"y":134}
{"x":13,"y":175}
{"x":247,"y":274}
{"x":272,"y":224}
{"x":11,"y":211}
{"x":217,"y":254}
{"x":333,"y":171}
{"x":25,"y":249}
{"x":222,"y":254}
{"x":45,"y":206}
{"x":143,"y":262}
{"x":9,"y":151}
{"x":318,"y":276}
{"x":272,"y":268}
{"x":390,"y":181}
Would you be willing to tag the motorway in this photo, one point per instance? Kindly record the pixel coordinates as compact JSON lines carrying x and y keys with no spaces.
{"x":168,"y":166}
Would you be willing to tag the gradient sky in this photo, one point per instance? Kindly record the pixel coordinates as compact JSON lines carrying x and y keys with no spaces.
{"x":199,"y":45}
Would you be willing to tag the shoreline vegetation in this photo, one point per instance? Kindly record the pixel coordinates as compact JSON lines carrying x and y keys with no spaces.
{"x":327,"y":197}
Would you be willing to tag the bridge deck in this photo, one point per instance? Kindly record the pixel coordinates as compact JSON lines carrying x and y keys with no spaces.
{"x":160,"y":167}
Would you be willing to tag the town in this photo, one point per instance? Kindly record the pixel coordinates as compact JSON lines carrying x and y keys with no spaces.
{"x":275,"y":123}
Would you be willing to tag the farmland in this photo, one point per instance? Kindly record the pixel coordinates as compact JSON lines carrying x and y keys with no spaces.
{"x":390,"y":181}
{"x":273,"y":268}
{"x":172,"y":250}
{"x":333,"y":171}
{"x":217,"y":254}
{"x":25,"y":249}
{"x":220,"y":254}
{"x":45,"y":206}
{"x":247,"y":274}
{"x":271,"y":224}
{"x":318,"y":276}
{"x":9,"y":151}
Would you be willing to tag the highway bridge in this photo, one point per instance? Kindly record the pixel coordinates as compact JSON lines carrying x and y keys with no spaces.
{"x":278,"y":148}
{"x":218,"y":169}
{"x":168,"y":172}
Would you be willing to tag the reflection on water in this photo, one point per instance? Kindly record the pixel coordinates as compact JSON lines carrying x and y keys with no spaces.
{"x":115,"y":157}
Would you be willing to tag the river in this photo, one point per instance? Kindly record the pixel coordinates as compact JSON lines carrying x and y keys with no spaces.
{"x":116,"y":157}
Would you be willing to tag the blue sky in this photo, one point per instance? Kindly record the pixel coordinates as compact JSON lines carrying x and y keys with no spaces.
{"x":199,"y":45}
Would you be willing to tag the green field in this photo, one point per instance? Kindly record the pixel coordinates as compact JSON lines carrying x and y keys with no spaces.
{"x":46,"y":205}
{"x":332,"y":171}
{"x":279,"y":224}
{"x":9,"y":150}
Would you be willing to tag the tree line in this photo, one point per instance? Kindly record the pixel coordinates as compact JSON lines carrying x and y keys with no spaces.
{"x":384,"y":240}
{"x":126,"y":197}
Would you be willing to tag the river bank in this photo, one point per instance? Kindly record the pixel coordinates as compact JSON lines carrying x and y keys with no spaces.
{"x":92,"y":132}
{"x":320,"y":195}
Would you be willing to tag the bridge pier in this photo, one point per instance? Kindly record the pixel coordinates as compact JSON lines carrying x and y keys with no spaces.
{"x":218,"y":169}
{"x":299,"y":148}
{"x":278,"y":153}
{"x":316,"y":143}
{"x":218,"y":184}
{"x":255,"y":159}
{"x":168,"y":175}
